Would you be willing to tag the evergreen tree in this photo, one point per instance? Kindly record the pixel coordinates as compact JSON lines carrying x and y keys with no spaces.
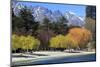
{"x":24,"y":23}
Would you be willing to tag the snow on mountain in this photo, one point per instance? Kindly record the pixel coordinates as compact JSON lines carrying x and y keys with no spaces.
{"x":17,"y":8}
{"x":40,"y":13}
{"x":73,"y":19}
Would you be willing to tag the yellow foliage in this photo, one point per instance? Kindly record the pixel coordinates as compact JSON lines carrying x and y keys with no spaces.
{"x":71,"y":42}
{"x":76,"y":38}
{"x":58,"y":42}
{"x":24,"y":42}
{"x":15,"y":42}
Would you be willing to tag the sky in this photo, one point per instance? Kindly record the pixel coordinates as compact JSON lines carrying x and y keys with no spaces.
{"x":77,"y":9}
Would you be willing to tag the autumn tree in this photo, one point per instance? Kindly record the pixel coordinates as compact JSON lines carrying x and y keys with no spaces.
{"x":25,"y":42}
{"x":65,"y":42}
{"x":15,"y":42}
{"x":82,"y":35}
{"x":70,"y":42}
{"x":58,"y":42}
{"x":29,"y":42}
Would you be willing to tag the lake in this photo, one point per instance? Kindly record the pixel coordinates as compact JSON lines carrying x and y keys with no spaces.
{"x":70,"y":59}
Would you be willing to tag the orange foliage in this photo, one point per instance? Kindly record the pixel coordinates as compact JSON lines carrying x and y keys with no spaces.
{"x":81,"y":35}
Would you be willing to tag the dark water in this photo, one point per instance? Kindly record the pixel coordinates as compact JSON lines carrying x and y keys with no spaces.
{"x":81,"y":58}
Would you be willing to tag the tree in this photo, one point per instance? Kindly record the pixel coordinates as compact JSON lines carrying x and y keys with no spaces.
{"x":36,"y":44}
{"x":44,"y":36}
{"x":58,"y":42}
{"x":65,"y":42}
{"x":45,"y":24}
{"x":91,"y":25}
{"x":25,"y":42}
{"x":59,"y":27}
{"x":24,"y":22}
{"x":15,"y":42}
{"x":63,"y":27}
{"x":32,"y":43}
{"x":82,"y":35}
{"x":91,"y":12}
{"x":29,"y":42}
{"x":71,"y":43}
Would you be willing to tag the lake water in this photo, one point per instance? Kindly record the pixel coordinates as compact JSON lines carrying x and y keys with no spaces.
{"x":81,"y":58}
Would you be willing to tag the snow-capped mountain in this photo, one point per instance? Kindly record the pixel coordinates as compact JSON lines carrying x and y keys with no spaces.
{"x":40,"y":13}
{"x":73,"y":19}
{"x":17,"y":7}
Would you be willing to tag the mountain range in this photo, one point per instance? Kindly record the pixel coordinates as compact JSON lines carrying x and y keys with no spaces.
{"x":40,"y":13}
